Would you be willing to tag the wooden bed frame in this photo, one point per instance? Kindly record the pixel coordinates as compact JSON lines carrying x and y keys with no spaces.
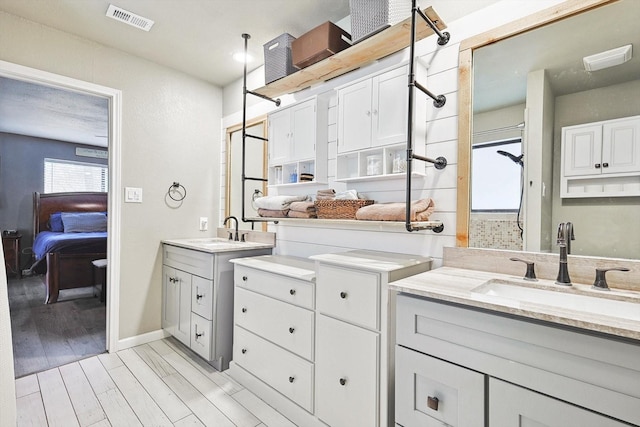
{"x":66,"y":271}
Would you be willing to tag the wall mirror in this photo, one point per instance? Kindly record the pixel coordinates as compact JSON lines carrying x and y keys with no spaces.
{"x":256,"y":166}
{"x":518,"y":86}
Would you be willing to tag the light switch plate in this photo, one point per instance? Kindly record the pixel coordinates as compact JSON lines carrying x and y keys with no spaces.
{"x":132,"y":195}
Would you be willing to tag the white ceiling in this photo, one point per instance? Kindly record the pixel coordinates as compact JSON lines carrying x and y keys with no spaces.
{"x":197,"y":37}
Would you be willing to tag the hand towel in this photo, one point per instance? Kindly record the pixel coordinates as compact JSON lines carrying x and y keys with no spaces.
{"x":298,"y":214}
{"x":302,"y":207}
{"x":273,"y":213}
{"x":420,"y":211}
{"x":277,"y":202}
{"x":326,"y":194}
{"x":347,"y":195}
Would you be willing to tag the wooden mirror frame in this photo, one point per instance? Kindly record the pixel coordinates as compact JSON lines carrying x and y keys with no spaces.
{"x":465,"y":92}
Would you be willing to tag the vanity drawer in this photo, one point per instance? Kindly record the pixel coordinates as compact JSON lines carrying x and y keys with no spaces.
{"x":202,"y":297}
{"x":288,"y":326}
{"x":349,"y":295}
{"x":456,"y":394}
{"x":298,"y":292}
{"x":193,"y":262}
{"x":201,"y":336}
{"x":285,"y":372}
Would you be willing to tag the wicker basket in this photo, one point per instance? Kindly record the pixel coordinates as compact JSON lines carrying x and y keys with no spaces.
{"x":277,"y":58}
{"x":370,"y":16}
{"x":339,"y":209}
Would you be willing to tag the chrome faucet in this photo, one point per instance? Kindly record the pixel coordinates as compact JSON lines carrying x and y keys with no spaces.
{"x":232,"y":236}
{"x":565,"y":236}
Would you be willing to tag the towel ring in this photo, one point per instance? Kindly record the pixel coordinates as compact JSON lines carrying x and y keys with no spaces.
{"x":175,"y":188}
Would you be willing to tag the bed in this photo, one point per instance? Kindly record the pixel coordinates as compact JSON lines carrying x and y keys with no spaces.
{"x":64,"y":258}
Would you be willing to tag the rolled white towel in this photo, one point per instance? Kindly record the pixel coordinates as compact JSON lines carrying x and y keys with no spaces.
{"x":276,"y":203}
{"x":347,"y":195}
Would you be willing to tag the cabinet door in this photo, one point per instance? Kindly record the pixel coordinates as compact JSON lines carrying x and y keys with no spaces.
{"x":201,"y":336}
{"x":170,"y":299}
{"x":279,"y":137}
{"x":303,"y":130}
{"x":183,"y":325}
{"x":432,"y":392}
{"x":582,"y":150}
{"x":202,"y":297}
{"x":390,"y":108}
{"x":510,"y":405}
{"x":621,"y":146}
{"x":346,"y":374}
{"x":354,"y":117}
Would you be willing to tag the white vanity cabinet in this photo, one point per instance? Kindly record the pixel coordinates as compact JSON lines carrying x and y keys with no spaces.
{"x":601,"y":159}
{"x":355,"y":335}
{"x":298,"y":141}
{"x":274,"y":325}
{"x":197,"y":300}
{"x":524,"y":373}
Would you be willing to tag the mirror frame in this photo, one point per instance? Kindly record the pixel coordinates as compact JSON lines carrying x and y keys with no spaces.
{"x":465,"y":92}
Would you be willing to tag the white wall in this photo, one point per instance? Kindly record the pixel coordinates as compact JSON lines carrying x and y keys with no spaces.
{"x":170,"y":132}
{"x":442,"y":62}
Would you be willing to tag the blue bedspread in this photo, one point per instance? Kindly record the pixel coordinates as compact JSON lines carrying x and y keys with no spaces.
{"x":69,"y":243}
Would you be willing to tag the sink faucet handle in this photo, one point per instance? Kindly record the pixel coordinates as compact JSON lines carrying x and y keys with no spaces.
{"x":601,"y":279}
{"x":531,"y":273}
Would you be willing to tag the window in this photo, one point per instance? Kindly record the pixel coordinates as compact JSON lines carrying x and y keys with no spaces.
{"x":496,"y":182}
{"x":68,"y":176}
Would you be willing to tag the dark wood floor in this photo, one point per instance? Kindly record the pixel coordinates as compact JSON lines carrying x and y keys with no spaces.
{"x":50,"y":335}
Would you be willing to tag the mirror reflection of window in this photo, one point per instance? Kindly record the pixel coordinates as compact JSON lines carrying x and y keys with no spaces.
{"x":496,"y":177}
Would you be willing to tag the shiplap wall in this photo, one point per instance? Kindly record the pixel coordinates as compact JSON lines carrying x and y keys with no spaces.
{"x":308,"y":238}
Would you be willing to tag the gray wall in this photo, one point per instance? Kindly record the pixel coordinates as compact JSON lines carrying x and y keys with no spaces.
{"x":22,"y":173}
{"x":171,"y":131}
{"x":604,"y":226}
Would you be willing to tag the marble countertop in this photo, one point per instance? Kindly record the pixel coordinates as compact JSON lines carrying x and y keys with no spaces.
{"x":297,"y":268}
{"x":372,"y":260}
{"x":214,"y":245}
{"x":459,"y":285}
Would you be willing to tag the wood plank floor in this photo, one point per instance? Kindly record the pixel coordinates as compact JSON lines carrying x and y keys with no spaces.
{"x":50,"y":335}
{"x":162,"y":383}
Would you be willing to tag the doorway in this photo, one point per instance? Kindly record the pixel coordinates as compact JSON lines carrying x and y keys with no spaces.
{"x":114,"y":99}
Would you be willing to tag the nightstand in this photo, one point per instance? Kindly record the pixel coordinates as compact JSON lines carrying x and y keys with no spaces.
{"x":11,"y":245}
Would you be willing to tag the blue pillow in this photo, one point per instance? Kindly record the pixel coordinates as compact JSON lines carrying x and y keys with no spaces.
{"x":55,"y":222}
{"x":84,"y":222}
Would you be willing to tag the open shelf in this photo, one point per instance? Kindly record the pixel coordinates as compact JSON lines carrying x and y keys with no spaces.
{"x":391,"y":40}
{"x":350,"y":223}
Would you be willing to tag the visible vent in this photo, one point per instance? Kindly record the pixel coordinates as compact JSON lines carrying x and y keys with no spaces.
{"x":127,"y":17}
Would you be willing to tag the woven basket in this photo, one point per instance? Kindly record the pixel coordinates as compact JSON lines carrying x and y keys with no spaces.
{"x":339,"y":209}
{"x":370,"y":16}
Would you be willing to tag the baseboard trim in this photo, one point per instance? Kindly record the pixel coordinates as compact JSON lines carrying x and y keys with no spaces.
{"x":141,"y":339}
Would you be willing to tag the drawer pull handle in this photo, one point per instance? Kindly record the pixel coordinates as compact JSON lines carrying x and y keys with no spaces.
{"x":198,"y":296}
{"x":292,"y":291}
{"x":343,"y":295}
{"x":432,"y":402}
{"x":291,"y":379}
{"x":244,"y":309}
{"x":343,"y":381}
{"x":291,"y":330}
{"x":244,"y":350}
{"x":245,"y":278}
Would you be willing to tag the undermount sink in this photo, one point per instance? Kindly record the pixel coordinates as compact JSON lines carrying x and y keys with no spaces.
{"x":568,"y":298}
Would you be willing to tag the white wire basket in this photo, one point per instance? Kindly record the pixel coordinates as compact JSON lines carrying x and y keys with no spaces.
{"x":371,"y":16}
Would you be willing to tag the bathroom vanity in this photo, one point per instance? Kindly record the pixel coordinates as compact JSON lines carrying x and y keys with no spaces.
{"x":312,"y":337}
{"x":480,"y":348}
{"x":197,"y":293}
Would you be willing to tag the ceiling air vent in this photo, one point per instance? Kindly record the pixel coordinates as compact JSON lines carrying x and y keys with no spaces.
{"x":127,"y":17}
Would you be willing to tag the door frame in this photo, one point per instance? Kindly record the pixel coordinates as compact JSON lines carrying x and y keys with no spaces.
{"x":114,"y":97}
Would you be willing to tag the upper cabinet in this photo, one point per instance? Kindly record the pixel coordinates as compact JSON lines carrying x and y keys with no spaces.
{"x":372,"y":125}
{"x":298,"y":141}
{"x":601,"y":159}
{"x":373,"y":112}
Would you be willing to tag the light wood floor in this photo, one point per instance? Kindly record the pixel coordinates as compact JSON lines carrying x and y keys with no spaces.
{"x":157,"y":384}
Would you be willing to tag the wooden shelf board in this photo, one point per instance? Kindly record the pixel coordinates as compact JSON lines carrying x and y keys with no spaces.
{"x":349,"y":223}
{"x":391,"y":40}
{"x":385,"y":177}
